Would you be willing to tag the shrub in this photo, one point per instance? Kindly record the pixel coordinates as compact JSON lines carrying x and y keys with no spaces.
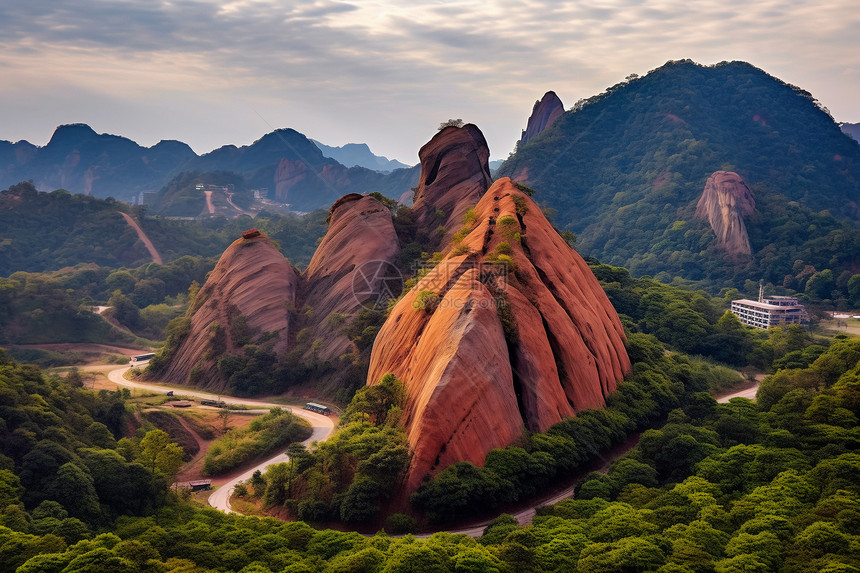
{"x":400,"y":523}
{"x":426,"y":300}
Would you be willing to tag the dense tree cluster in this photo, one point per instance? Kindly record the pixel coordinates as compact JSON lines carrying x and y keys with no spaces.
{"x":57,"y":307}
{"x":262,"y":436}
{"x":695,"y":323}
{"x":65,"y":468}
{"x":723,"y":488}
{"x":349,"y":476}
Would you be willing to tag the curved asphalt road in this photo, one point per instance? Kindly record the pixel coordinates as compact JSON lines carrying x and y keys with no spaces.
{"x":322,"y":427}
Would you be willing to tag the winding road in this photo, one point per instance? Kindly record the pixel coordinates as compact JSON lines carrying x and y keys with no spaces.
{"x":322,"y":427}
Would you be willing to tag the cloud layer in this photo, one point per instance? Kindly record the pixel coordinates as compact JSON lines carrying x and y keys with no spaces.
{"x":211,"y":73}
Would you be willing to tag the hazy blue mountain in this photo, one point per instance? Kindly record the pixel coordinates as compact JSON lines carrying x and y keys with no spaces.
{"x":359,"y":155}
{"x":852,"y":129}
{"x":285,"y":162}
{"x":82,"y":161}
{"x":495,"y":164}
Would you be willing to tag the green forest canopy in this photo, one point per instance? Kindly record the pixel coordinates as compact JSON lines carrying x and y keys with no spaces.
{"x":625,"y":169}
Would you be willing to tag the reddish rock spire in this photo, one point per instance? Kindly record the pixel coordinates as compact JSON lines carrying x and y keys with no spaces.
{"x":252,"y":280}
{"x":455,"y":173}
{"x":545,"y":111}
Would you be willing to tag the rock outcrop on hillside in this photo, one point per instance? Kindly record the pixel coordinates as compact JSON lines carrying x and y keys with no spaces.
{"x":545,"y":111}
{"x":511,"y":329}
{"x":726,"y":201}
{"x":247,"y":295}
{"x":455,"y":173}
{"x":350,"y":270}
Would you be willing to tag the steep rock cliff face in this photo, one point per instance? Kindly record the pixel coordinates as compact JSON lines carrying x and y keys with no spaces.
{"x":545,"y":111}
{"x":350,"y":268}
{"x":455,"y":173}
{"x":524,"y":341}
{"x":247,"y":294}
{"x":726,"y":201}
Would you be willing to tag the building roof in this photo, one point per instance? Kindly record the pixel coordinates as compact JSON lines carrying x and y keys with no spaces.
{"x":764,"y":305}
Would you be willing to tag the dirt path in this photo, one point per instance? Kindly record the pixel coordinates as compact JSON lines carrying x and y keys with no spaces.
{"x":191,"y":470}
{"x":747,"y":391}
{"x":143,"y":238}
{"x":209,"y":204}
{"x":230,"y":201}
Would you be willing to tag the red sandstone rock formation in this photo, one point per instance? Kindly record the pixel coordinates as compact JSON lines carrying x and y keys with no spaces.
{"x":289,"y":174}
{"x":545,"y":111}
{"x":455,"y":173}
{"x":350,"y":268}
{"x":724,"y":204}
{"x":471,"y":386}
{"x":252,"y":283}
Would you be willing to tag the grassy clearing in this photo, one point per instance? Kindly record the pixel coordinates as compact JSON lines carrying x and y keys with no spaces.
{"x":238,"y":446}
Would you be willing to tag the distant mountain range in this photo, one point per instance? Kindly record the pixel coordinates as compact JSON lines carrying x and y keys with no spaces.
{"x":852,"y":129}
{"x":359,"y":155}
{"x":284,"y":162}
{"x":625,"y":170}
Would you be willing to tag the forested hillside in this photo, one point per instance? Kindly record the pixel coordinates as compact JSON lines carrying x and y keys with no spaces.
{"x":625,"y":169}
{"x":49,"y":231}
{"x":66,"y":467}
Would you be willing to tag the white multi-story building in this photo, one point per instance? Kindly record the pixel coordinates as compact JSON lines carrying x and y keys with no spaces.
{"x":770,"y":311}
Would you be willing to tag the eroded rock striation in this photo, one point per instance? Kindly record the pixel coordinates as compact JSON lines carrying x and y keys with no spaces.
{"x":511,"y":329}
{"x":455,"y":173}
{"x":247,"y":295}
{"x":545,"y":111}
{"x":350,"y":270}
{"x":726,"y":201}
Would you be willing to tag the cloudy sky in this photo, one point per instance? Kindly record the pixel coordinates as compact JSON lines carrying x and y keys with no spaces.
{"x":212,"y":72}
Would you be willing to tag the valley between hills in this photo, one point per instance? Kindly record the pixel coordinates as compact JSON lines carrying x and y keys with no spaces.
{"x":523,"y":360}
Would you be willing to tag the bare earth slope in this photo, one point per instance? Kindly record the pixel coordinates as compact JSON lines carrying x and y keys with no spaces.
{"x":506,"y":345}
{"x":143,"y":238}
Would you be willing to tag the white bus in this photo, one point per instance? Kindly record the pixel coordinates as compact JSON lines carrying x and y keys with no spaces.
{"x":318,"y":408}
{"x":141,"y":358}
